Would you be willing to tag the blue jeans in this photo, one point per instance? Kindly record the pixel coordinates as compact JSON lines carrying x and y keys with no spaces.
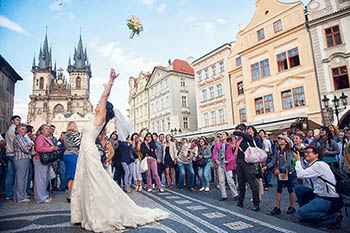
{"x":204,"y":174}
{"x":10,"y":177}
{"x":182,"y":168}
{"x":313,"y":207}
{"x":62,"y":174}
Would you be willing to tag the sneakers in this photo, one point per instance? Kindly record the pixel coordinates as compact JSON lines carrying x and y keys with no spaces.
{"x":206,"y":189}
{"x":255,"y":208}
{"x":23,"y":201}
{"x":149,"y":190}
{"x":48,"y":201}
{"x":201,"y":189}
{"x":235,"y":198}
{"x":161,"y":190}
{"x":291,"y":210}
{"x":192,"y":190}
{"x":275,"y":211}
{"x":140,"y":189}
{"x":8,"y":198}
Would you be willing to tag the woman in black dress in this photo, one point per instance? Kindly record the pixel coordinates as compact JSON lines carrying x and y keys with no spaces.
{"x":169,"y":150}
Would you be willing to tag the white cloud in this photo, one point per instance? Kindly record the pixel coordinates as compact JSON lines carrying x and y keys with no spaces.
{"x":5,"y":22}
{"x":181,"y":3}
{"x":221,"y":21}
{"x":209,"y":29}
{"x":161,"y":8}
{"x":191,"y":19}
{"x":148,"y":2}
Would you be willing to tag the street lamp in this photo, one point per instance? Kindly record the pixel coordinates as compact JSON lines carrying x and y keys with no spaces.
{"x":337,"y":109}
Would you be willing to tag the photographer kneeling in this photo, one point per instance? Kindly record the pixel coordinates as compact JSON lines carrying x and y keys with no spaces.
{"x":321,"y":203}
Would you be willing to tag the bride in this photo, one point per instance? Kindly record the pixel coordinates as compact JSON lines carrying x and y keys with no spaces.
{"x":97,"y":202}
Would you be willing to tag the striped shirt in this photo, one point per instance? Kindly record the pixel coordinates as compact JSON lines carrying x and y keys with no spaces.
{"x":21,"y":148}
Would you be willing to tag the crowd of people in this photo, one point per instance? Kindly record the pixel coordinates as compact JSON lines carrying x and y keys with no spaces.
{"x":303,"y":162}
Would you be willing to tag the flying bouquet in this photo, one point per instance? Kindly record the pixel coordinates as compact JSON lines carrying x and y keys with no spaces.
{"x":134,"y":25}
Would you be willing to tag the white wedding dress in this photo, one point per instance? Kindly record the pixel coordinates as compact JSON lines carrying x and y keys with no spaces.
{"x":97,"y":202}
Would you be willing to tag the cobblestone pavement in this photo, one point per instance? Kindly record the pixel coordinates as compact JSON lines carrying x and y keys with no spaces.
{"x":189,"y":212}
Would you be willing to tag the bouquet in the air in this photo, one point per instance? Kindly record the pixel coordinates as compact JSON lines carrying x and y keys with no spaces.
{"x":134,"y":25}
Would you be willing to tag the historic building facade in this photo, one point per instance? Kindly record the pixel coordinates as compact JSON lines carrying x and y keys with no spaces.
{"x":56,"y":100}
{"x":140,"y":103}
{"x":213,"y":90}
{"x":8,"y":79}
{"x":329,"y":23}
{"x":271,"y":69}
{"x":172,"y":99}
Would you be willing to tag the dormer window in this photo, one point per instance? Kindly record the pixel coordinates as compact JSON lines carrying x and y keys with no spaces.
{"x":261,"y":34}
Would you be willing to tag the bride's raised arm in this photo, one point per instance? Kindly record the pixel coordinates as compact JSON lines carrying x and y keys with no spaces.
{"x":101,"y":106}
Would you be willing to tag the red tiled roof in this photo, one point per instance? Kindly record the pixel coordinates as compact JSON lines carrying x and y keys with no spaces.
{"x":162,"y":68}
{"x":182,"y":67}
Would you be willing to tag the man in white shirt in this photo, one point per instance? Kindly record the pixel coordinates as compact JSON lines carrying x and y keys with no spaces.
{"x":320,"y":204}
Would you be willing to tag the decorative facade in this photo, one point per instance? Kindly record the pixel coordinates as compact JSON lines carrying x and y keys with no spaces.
{"x":172,"y":99}
{"x":8,"y":79}
{"x":271,"y":69}
{"x":213,"y":90}
{"x":329,"y":23}
{"x":141,"y":103}
{"x":56,"y":100}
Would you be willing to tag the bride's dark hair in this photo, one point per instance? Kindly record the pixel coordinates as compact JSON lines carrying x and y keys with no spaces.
{"x":109,"y":114}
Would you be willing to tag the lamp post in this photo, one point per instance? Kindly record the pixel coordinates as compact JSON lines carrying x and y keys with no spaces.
{"x":337,"y":108}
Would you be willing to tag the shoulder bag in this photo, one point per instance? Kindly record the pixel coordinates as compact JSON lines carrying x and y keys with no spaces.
{"x":254,"y":154}
{"x":49,"y":157}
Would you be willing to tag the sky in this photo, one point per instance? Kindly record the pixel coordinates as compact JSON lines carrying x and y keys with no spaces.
{"x":173,"y":29}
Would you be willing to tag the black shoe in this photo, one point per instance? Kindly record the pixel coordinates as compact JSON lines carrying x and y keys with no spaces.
{"x":235,"y":198}
{"x":291,"y":210}
{"x":223,"y":199}
{"x":275,"y":211}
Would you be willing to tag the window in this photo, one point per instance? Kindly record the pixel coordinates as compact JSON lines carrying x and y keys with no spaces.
{"x":183,"y":83}
{"x":287,"y":100}
{"x":259,"y":105}
{"x":161,"y":85}
{"x":167,"y":101}
{"x":221,"y":116}
{"x":238,"y":61}
{"x":222,"y":68}
{"x":299,"y":98}
{"x":184,"y":101}
{"x":37,"y":82}
{"x":261,"y":34}
{"x":340,"y":78}
{"x":268,"y":103}
{"x":213,"y":117}
{"x":206,"y":73}
{"x":185,"y":120}
{"x":265,"y":68}
{"x":168,"y":123}
{"x":293,"y":56}
{"x":219,"y":86}
{"x":242,"y":115}
{"x":200,"y":76}
{"x":204,"y":94}
{"x":277,"y":26}
{"x":333,"y":36}
{"x":206,"y":119}
{"x":255,"y":71}
{"x":342,"y":1}
{"x":214,"y":70}
{"x":240,"y":90}
{"x":166,"y":83}
{"x":163,"y":125}
{"x":78,"y":83}
{"x":211,"y":92}
{"x":282,"y":62}
{"x":41,"y":85}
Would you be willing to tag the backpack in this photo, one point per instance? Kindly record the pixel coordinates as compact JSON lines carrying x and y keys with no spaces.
{"x":342,"y":185}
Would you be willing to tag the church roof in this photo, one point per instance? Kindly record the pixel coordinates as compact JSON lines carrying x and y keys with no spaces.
{"x":80,"y":58}
{"x":45,"y":60}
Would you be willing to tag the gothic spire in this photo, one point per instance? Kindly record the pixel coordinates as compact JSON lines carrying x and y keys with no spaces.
{"x":69,"y":63}
{"x":33,"y":66}
{"x":80,"y":55}
{"x":45,"y":55}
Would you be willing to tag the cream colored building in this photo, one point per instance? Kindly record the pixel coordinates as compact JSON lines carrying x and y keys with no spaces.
{"x":271,"y":69}
{"x":131,"y":100}
{"x":172,"y":99}
{"x":141,"y":103}
{"x":213,"y":92}
{"x":329,"y":26}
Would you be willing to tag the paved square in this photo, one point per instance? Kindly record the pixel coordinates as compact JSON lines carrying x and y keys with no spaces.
{"x":172,"y":197}
{"x":214,"y":215}
{"x":183,"y":202}
{"x":239,"y":225}
{"x":196,"y":207}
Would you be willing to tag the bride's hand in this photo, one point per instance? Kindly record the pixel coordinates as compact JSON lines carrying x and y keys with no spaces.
{"x":112,"y":76}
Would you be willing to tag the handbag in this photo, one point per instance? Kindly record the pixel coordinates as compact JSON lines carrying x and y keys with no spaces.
{"x":103,"y":156}
{"x":143,"y":165}
{"x":254,"y":154}
{"x":202,"y":161}
{"x":49,"y":157}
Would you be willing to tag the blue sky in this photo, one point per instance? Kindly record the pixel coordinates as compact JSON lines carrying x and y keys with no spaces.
{"x":172,"y":29}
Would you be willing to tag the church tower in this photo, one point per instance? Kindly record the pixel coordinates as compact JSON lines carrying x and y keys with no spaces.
{"x":43,"y":74}
{"x":79,"y":79}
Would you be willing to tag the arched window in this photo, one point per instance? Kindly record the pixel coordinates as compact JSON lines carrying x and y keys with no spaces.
{"x":58,"y":109}
{"x":78,"y":83}
{"x":41,"y":86}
